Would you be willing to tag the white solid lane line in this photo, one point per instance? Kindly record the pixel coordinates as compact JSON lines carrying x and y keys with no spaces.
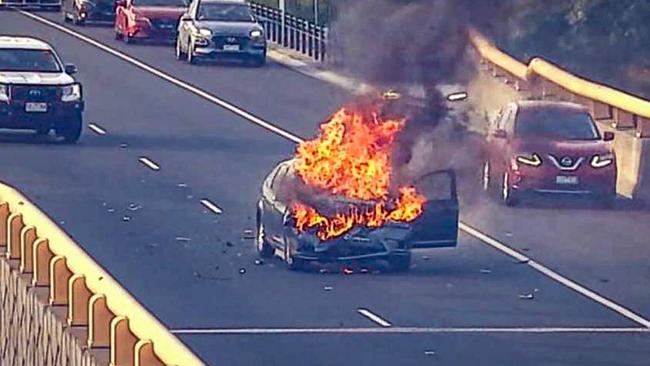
{"x":149,"y":163}
{"x":97,"y":129}
{"x":288,"y":135}
{"x":556,"y":276}
{"x":374,"y":317}
{"x":180,"y":83}
{"x":406,"y":330}
{"x":211,"y":206}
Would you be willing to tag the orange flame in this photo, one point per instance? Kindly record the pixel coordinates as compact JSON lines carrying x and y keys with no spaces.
{"x":351,"y":157}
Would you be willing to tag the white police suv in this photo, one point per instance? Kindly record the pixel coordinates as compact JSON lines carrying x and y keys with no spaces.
{"x":37,"y":91}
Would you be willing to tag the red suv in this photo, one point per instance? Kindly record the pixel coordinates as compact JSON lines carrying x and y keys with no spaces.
{"x":148,"y":19}
{"x":548,"y":147}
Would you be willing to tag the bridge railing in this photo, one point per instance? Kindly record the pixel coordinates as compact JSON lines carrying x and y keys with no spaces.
{"x":292,"y":32}
{"x":93,"y":303}
{"x":543,"y":79}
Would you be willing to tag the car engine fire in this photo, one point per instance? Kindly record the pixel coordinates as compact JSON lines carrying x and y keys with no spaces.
{"x":351,"y":158}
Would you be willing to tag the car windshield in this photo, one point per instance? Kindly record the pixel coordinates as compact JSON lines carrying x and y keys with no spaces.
{"x":170,"y":3}
{"x":28,"y":60}
{"x":226,"y":12}
{"x":555,"y":123}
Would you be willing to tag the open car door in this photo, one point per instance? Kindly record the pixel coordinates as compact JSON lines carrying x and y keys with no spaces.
{"x":437,"y":227}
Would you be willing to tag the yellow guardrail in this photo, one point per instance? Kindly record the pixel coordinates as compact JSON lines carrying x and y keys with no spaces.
{"x":548,"y":71}
{"x":168,"y":349}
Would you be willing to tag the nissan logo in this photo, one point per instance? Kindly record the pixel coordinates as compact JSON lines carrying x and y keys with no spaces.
{"x":566,"y":161}
{"x":34,"y":93}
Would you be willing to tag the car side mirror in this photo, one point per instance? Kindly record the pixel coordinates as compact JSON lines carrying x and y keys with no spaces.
{"x":70,"y":69}
{"x":186,"y":18}
{"x":608,"y":136}
{"x":499,"y":134}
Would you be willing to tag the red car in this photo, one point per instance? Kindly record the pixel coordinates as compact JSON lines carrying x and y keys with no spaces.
{"x":148,"y":19}
{"x":548,"y":147}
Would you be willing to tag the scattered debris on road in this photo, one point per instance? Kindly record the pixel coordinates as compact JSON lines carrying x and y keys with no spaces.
{"x":126,"y":218}
{"x":134,"y":206}
{"x":429,"y":353}
{"x":123,"y":145}
{"x":348,"y":270}
{"x":181,"y":185}
{"x":529,"y":296}
{"x":328,"y":288}
{"x":486,"y":270}
{"x":259,"y":262}
{"x":248,"y":234}
{"x":242,"y":271}
{"x":182,"y":238}
{"x":110,"y":210}
{"x":426,"y":257}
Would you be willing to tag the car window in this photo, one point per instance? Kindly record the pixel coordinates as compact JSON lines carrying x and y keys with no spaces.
{"x":225,"y":12}
{"x":437,"y":186}
{"x":556,"y":123}
{"x":28,"y":60}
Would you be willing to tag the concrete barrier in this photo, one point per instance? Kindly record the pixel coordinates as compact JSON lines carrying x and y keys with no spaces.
{"x":626,"y":115}
{"x":61,"y":308}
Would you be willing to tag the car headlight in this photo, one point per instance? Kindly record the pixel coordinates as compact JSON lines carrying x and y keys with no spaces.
{"x":71,"y":93}
{"x":601,"y":161}
{"x":203,"y":32}
{"x":256,"y":33}
{"x":529,"y":159}
{"x":4,"y":93}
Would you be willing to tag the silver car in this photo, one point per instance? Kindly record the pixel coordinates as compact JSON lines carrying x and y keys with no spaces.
{"x":220,"y":29}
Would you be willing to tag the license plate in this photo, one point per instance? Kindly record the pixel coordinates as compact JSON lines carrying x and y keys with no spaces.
{"x":35,"y":107}
{"x":562,"y":179}
{"x":231,"y":47}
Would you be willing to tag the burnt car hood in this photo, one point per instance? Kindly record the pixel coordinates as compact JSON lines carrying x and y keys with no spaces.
{"x":160,"y":12}
{"x":229,"y":28}
{"x":555,"y":147}
{"x":384,"y":235}
{"x":35,"y":78}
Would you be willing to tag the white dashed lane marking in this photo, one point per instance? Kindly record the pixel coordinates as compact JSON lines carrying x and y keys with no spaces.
{"x":97,"y":129}
{"x":211,"y":206}
{"x":374,"y":317}
{"x":149,"y":163}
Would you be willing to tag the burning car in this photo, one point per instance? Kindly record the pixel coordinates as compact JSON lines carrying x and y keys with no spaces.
{"x":341,"y":198}
{"x":155,"y":20}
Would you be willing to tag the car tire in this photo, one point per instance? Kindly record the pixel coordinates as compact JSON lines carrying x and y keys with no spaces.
{"x":179,"y":51}
{"x":259,"y":61}
{"x":264,"y":249}
{"x":189,"y":56}
{"x":76,"y":20}
{"x":70,"y":130}
{"x":486,"y":181}
{"x":126,"y":39}
{"x":293,"y":264}
{"x":400,"y":263}
{"x":508,"y":195}
{"x":118,"y":35}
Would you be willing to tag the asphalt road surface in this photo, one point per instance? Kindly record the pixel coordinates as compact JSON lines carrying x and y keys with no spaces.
{"x":210,"y":130}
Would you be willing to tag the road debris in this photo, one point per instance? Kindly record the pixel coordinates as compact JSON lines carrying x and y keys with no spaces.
{"x":189,"y":196}
{"x":426,"y":257}
{"x":486,"y":270}
{"x":259,"y":262}
{"x":248,"y":234}
{"x":182,"y":238}
{"x":364,"y":270}
{"x":126,"y":218}
{"x":529,"y":296}
{"x":328,"y":288}
{"x":242,"y":271}
{"x":348,"y":271}
{"x":123,"y":145}
{"x":110,"y":210}
{"x":429,"y":353}
{"x":229,"y":244}
{"x":134,"y":206}
{"x":182,"y":185}
{"x":523,"y":261}
{"x":509,"y":234}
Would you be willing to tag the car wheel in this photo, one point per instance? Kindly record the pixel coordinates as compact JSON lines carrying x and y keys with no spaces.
{"x":293,"y":263}
{"x":264,"y":249}
{"x":179,"y":51}
{"x":191,"y":58}
{"x":76,"y":20}
{"x":400,"y":263}
{"x":70,"y":130}
{"x":126,"y":39}
{"x":508,"y":196}
{"x":486,"y":176}
{"x":118,"y":35}
{"x":259,"y":61}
